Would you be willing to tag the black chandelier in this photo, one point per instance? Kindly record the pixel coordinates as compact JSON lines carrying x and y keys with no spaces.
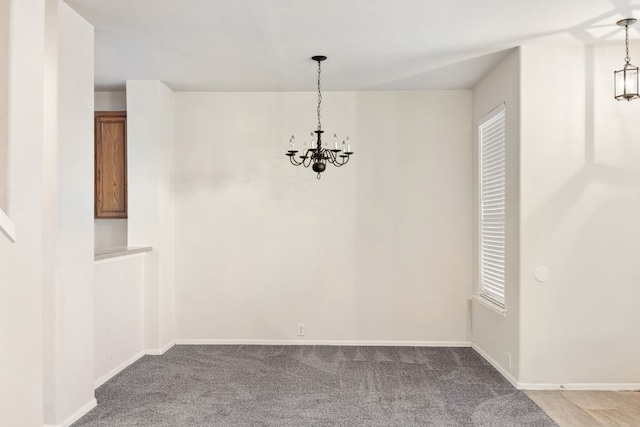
{"x":625,"y":81}
{"x":319,"y":156}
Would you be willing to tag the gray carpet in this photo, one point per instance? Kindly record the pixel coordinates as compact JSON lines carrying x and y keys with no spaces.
{"x":312,"y":386}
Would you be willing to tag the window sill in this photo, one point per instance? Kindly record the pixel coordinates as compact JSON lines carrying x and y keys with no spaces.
{"x":7,"y":226}
{"x":490,"y":305}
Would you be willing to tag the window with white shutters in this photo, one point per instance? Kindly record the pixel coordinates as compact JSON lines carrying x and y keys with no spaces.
{"x":491,"y":134}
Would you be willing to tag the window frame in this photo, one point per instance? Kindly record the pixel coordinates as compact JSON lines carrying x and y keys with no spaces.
{"x":491,"y":298}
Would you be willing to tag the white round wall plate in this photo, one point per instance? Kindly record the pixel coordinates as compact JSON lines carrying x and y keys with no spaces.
{"x":542,"y":273}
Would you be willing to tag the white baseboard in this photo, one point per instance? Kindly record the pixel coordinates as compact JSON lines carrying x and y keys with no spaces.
{"x":115,"y":371}
{"x":161,"y":351}
{"x":77,"y":415}
{"x":552,"y":386}
{"x":324,"y":342}
{"x":509,"y":377}
{"x":581,"y":386}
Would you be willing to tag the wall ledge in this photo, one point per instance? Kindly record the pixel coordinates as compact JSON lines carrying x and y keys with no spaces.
{"x":7,"y":226}
{"x":119,"y":252}
{"x":490,"y":305}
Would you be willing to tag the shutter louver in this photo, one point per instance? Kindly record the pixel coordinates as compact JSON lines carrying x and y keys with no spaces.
{"x":492,"y":210}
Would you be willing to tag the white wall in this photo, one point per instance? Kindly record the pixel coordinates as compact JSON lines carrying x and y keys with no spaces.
{"x":578,"y":201}
{"x":110,"y":101}
{"x":111,"y":232}
{"x":119,"y":314}
{"x":494,"y":335}
{"x":412,"y":216}
{"x":67,"y":209}
{"x":379,"y":250}
{"x":4,"y":101}
{"x":150,"y":153}
{"x":21,"y":334}
{"x":580,"y":210}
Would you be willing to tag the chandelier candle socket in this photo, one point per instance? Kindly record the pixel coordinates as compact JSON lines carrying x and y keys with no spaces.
{"x":319,"y":156}
{"x":625,"y":82}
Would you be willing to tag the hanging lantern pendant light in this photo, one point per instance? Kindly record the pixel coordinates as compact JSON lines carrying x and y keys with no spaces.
{"x":319,"y":156}
{"x":626,"y":80}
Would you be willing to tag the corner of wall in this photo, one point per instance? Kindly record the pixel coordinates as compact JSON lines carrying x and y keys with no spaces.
{"x":21,"y":370}
{"x":151,"y":116}
{"x":497,"y":336}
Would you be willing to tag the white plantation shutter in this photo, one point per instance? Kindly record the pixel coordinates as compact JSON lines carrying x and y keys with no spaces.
{"x":491,"y":133}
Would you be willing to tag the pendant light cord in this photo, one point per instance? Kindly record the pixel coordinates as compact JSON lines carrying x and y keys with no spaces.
{"x":626,"y":43}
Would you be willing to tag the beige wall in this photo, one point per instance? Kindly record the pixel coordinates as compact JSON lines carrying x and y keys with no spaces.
{"x":21,"y":333}
{"x":67,"y":224}
{"x":377,"y":251}
{"x":150,"y":156}
{"x":4,"y":101}
{"x":110,"y":101}
{"x":577,"y":197}
{"x":580,"y":209}
{"x":119,"y":314}
{"x":494,"y":334}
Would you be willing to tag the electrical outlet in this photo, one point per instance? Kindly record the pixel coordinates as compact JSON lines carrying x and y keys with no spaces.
{"x":300,"y":329}
{"x":509,"y":359}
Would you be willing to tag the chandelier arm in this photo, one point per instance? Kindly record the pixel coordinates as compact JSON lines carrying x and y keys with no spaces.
{"x":332,"y":157}
{"x":342,"y":162}
{"x":339,"y":161}
{"x":294,"y":161}
{"x":328,"y":157}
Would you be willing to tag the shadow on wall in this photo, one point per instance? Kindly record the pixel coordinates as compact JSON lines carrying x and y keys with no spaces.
{"x":583,"y":222}
{"x":599,"y":165}
{"x":600,"y":168}
{"x":611,"y":153}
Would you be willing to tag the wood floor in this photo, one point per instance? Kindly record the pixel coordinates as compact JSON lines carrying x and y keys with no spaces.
{"x":590,"y":408}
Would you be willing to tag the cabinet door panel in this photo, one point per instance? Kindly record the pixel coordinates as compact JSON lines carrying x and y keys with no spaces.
{"x":111,"y":166}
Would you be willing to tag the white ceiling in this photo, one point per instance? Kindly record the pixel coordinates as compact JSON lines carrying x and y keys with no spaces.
{"x":266,"y":45}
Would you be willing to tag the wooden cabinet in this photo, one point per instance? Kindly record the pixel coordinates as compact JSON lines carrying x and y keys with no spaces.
{"x":110,"y":164}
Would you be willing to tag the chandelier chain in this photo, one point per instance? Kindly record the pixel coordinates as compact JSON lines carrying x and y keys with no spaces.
{"x":626,"y":43}
{"x":320,"y":97}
